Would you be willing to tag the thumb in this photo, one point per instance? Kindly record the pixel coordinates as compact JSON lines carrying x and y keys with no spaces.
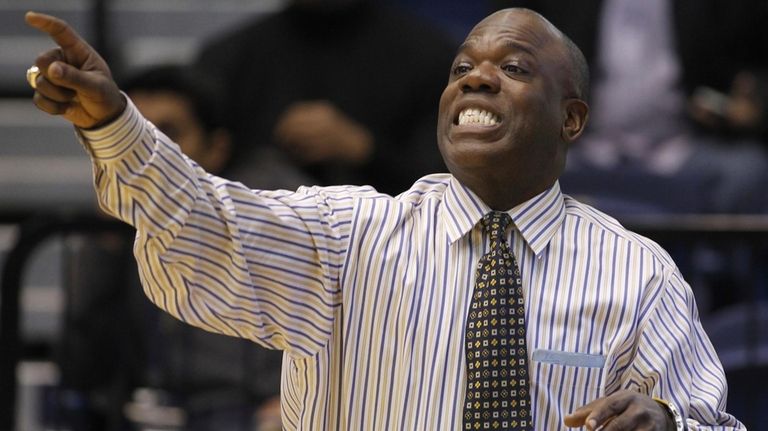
{"x":577,"y":418}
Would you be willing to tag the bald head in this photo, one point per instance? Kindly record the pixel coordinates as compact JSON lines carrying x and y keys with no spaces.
{"x":577,"y":73}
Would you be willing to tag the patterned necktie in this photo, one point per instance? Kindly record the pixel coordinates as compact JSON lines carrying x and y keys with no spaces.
{"x":497,"y":396}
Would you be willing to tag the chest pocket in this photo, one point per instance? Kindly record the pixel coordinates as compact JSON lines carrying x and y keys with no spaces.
{"x":561,"y":382}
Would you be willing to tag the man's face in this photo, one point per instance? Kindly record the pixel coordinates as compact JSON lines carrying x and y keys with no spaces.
{"x":501,"y":113}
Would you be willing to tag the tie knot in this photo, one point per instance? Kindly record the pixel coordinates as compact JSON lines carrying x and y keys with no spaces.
{"x":496,"y":223}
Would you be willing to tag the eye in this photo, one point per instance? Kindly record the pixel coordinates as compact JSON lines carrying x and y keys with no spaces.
{"x":513,"y":69}
{"x":461,"y":69}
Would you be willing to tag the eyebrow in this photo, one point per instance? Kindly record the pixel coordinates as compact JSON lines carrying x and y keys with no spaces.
{"x":521,"y":47}
{"x":509,"y":44}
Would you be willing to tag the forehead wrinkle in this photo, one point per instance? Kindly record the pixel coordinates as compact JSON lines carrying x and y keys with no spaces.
{"x":517,"y":46}
{"x":528,"y":35}
{"x":512,"y":45}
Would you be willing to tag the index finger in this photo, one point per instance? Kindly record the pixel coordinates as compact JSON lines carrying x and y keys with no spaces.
{"x":60,"y":32}
{"x":578,"y":417}
{"x":599,"y":412}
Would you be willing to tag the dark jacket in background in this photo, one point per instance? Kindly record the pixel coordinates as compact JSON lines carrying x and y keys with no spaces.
{"x":384,"y":69}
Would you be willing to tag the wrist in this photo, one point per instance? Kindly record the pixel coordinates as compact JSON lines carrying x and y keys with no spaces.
{"x":675,"y":421}
{"x":115,"y":139}
{"x":115,"y":112}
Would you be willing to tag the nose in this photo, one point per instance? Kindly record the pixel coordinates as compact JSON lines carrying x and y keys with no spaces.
{"x":481,"y":79}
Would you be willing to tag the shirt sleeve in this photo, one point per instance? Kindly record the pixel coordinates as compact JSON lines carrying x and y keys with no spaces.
{"x":263,"y":265}
{"x":676,"y":361}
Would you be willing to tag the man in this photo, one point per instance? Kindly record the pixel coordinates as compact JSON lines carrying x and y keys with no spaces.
{"x":371,"y":297}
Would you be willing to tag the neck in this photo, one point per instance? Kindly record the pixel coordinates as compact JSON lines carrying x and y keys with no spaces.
{"x":505,"y":195}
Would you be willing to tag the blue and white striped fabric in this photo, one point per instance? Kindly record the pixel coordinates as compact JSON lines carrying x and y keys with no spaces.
{"x":367,"y":293}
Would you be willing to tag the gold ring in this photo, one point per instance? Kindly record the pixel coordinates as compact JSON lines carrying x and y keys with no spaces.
{"x":32,"y":74}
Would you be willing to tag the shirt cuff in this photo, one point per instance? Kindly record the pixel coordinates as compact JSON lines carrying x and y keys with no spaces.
{"x":113,"y":141}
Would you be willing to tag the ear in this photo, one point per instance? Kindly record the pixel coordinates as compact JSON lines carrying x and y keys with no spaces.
{"x":576,"y":114}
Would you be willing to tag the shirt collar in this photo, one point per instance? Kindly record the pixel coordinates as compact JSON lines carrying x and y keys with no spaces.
{"x":537,"y":219}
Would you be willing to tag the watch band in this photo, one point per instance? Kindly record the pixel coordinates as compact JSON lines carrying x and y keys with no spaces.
{"x":680,"y":424}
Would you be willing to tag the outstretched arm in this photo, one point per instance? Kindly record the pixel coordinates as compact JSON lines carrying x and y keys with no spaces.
{"x":262,"y":265}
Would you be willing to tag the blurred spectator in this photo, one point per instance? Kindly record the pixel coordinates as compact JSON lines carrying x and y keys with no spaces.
{"x":182,"y":104}
{"x":132,"y":364}
{"x":346,"y":89}
{"x":680,"y":94}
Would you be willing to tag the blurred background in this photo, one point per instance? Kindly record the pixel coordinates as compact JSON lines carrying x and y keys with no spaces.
{"x":61,"y":261}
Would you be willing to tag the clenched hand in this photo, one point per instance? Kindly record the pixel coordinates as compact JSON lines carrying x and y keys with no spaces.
{"x":620,"y":411}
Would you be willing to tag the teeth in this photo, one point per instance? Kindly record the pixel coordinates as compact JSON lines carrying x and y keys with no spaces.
{"x":479,"y":117}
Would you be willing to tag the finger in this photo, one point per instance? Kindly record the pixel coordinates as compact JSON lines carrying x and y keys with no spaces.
{"x":53,"y":92}
{"x":61,"y":33}
{"x":45,"y":59}
{"x":612,"y":406}
{"x":578,"y":417}
{"x":625,"y":421}
{"x":65,"y":75}
{"x":50,"y":106}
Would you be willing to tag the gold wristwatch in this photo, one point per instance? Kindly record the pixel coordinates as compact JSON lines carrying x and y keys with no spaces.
{"x":674,"y":413}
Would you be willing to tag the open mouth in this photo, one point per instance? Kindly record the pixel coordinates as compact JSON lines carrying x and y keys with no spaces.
{"x":476,"y":117}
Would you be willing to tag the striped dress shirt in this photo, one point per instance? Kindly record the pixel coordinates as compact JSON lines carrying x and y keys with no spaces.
{"x":367,"y":294}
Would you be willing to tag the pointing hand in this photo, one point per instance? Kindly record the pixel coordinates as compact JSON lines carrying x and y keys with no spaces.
{"x":74,"y":81}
